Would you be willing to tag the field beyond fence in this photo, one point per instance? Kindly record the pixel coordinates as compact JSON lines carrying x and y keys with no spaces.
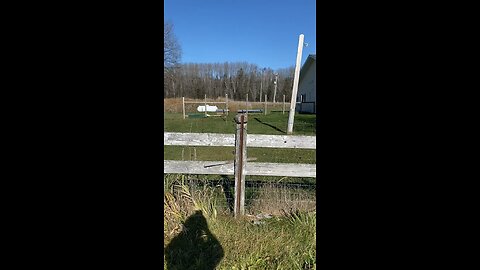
{"x":283,"y":240}
{"x":274,"y":123}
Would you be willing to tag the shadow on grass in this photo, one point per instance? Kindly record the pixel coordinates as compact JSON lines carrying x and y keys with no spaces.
{"x":272,"y":126}
{"x":195,"y":247}
{"x":227,"y":189}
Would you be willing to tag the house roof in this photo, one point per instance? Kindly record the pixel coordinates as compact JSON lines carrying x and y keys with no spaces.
{"x":312,"y":58}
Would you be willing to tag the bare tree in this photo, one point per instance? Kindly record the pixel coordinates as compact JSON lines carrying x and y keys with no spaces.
{"x":171,"y":48}
{"x":236,"y":79}
{"x":171,"y":56}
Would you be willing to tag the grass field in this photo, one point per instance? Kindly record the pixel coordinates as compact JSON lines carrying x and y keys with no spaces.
{"x":273,"y":123}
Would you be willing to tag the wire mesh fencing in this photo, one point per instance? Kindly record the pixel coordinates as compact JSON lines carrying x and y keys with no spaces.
{"x":270,"y":195}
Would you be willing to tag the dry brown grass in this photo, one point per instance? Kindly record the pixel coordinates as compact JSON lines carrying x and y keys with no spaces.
{"x":172,"y":105}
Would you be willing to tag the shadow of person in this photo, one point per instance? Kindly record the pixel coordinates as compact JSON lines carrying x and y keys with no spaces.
{"x":227,"y":189}
{"x":195,"y":247}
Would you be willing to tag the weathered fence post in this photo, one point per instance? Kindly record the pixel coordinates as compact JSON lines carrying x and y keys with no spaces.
{"x":240,"y":164}
{"x":226,"y":102}
{"x":183,"y":107}
{"x":246,"y":105}
{"x":205,"y":105}
{"x":265,"y":104}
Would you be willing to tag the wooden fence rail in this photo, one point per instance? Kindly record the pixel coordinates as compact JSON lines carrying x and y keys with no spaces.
{"x":253,"y":140}
{"x":252,"y":168}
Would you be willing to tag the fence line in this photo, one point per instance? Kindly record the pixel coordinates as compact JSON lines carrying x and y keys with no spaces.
{"x":205,"y":102}
{"x":239,"y":167}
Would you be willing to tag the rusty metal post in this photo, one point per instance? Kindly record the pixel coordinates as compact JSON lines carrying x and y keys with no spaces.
{"x":240,"y":163}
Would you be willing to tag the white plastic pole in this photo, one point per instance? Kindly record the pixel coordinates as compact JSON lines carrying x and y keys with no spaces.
{"x":293,"y":99}
{"x":183,"y":107}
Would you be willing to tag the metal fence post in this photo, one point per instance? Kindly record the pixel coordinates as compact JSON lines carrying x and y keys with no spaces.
{"x":240,"y":163}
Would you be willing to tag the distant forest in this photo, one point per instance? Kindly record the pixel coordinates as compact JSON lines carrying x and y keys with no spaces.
{"x":194,"y":80}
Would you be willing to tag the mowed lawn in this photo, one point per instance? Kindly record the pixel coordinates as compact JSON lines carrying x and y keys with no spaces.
{"x":273,"y":123}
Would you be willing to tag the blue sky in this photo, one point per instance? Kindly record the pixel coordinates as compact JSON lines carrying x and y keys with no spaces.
{"x":256,"y":31}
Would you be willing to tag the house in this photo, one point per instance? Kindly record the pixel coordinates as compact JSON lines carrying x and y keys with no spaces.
{"x":307,"y":86}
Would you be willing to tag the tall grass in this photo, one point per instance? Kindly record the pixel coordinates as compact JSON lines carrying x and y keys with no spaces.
{"x":273,"y":199}
{"x":283,"y":242}
{"x":286,"y":241}
{"x":180,"y":202}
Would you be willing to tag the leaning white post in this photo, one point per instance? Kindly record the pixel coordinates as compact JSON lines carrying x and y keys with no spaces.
{"x":183,"y":107}
{"x":293,"y":99}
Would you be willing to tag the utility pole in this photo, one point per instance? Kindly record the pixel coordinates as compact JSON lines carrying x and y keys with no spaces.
{"x":293,"y":99}
{"x":275,"y":91}
{"x":261,"y":85}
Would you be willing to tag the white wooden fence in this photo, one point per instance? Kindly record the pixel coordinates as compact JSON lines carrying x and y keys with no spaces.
{"x":252,"y":168}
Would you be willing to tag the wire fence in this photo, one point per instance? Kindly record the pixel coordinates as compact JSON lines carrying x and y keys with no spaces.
{"x":175,"y":105}
{"x":262,"y":194}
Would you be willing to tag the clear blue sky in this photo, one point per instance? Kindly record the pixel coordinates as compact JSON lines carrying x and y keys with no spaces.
{"x":260,"y":32}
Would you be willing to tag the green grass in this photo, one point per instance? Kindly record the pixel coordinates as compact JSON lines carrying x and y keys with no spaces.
{"x":272,"y":123}
{"x":280,"y":243}
{"x":219,"y":153}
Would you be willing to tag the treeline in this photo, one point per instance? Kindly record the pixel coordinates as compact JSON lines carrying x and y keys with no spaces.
{"x":194,"y":80}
